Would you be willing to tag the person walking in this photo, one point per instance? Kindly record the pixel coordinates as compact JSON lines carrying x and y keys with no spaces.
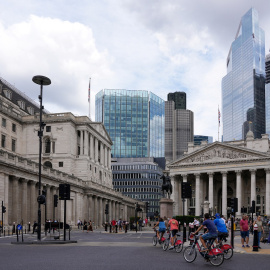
{"x":140,"y":224}
{"x":244,"y":230}
{"x":260,"y":229}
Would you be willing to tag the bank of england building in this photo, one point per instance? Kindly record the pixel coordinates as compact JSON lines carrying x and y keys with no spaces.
{"x":75,"y":151}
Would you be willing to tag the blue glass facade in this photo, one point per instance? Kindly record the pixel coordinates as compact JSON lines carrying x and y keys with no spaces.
{"x":243,"y":90}
{"x":134,"y":120}
{"x":267,"y":93}
{"x":201,"y":138}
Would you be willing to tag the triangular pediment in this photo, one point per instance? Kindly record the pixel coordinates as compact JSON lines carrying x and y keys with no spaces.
{"x":218,"y":152}
{"x":100,"y":128}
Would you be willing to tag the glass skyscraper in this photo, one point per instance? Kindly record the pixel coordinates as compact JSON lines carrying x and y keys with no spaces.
{"x":134,"y":120}
{"x":267,"y":93}
{"x":243,"y":88}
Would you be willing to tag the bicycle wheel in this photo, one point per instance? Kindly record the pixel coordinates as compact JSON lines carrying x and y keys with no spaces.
{"x":190,"y":254}
{"x":179,"y":248}
{"x":154,"y":240}
{"x":228,"y":253}
{"x":165,"y":244}
{"x":217,"y":259}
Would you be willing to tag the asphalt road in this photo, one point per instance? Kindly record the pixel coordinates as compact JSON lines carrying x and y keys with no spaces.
{"x":109,"y":251}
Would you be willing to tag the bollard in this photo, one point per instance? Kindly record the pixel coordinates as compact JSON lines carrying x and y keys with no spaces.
{"x":106,"y":227}
{"x":255,"y":238}
{"x":179,"y":226}
{"x":192,"y":230}
{"x":126,"y":227}
{"x":4,"y":231}
{"x":29,"y":227}
{"x":116,"y":228}
{"x":110,"y":228}
{"x":185,"y":233}
{"x":13,"y":228}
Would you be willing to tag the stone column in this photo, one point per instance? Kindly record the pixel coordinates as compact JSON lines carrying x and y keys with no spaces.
{"x":224,"y":194}
{"x":185,"y":203}
{"x":6,"y":190}
{"x":197,"y":195}
{"x":175,"y":195}
{"x":96,"y":149}
{"x":33,"y":202}
{"x":105,"y":157}
{"x":86,"y":143}
{"x":211,"y":190}
{"x":24,"y":208}
{"x":96,"y":211}
{"x":81,"y":143}
{"x":113,"y":207}
{"x":101,"y":212}
{"x":102,"y":154}
{"x":267,"y":192}
{"x":92,"y":150}
{"x":239,"y":191}
{"x":110,"y":211}
{"x":252,"y":186}
{"x":15,"y":200}
{"x":91,"y":208}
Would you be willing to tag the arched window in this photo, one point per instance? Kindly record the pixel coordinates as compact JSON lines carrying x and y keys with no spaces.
{"x":48,"y":164}
{"x":47,"y":146}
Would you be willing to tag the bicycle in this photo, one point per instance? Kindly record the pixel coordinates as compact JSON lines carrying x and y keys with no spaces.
{"x":178,"y":244}
{"x":156,"y":240}
{"x":225,"y":248}
{"x":214,"y":255}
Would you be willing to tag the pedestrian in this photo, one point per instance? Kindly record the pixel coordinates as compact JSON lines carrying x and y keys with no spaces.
{"x":140,"y":222}
{"x":120,"y":223}
{"x":113,"y":223}
{"x":34,"y":226}
{"x":90,"y":226}
{"x":260,"y":229}
{"x":269,"y":232}
{"x":244,"y":230}
{"x":79,"y":223}
{"x":146,"y":221}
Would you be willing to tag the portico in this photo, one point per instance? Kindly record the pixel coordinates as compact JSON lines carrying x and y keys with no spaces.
{"x":219,"y":171}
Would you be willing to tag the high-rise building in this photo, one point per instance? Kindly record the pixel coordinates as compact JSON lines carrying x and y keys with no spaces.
{"x":134,"y":120}
{"x":179,"y":99}
{"x":198,"y":139}
{"x":179,"y":130}
{"x":267,"y":93}
{"x":243,"y":88}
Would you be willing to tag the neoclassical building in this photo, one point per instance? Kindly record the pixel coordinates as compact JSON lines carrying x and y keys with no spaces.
{"x":75,"y":150}
{"x":220,"y":171}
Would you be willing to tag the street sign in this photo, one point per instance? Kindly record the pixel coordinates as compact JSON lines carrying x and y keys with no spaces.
{"x":19,"y":227}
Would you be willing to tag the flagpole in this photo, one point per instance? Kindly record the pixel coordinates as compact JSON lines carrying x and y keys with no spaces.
{"x":89,"y":98}
{"x":218,"y":122}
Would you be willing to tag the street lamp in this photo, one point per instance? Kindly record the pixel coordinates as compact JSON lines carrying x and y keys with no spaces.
{"x":40,"y":80}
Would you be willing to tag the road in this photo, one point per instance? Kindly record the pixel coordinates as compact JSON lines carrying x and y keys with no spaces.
{"x":109,"y":251}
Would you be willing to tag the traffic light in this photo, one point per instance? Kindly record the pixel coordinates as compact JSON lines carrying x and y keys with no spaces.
{"x":64,"y":191}
{"x":186,"y":190}
{"x":234,"y":205}
{"x":107,"y":209}
{"x":146,"y":207}
{"x":4,"y":210}
{"x":55,"y":200}
{"x":138,"y":208}
{"x":41,"y":199}
{"x":253,"y":207}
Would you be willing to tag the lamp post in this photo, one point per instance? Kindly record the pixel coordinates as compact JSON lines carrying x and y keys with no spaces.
{"x":40,"y":80}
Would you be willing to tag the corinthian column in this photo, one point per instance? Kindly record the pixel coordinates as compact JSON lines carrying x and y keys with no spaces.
{"x":197,"y":192}
{"x":267,"y":192}
{"x":211,"y":190}
{"x":239,"y":191}
{"x":224,"y":193}
{"x":253,"y":186}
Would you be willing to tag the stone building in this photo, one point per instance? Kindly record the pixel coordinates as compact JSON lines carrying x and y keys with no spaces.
{"x":219,"y":171}
{"x":75,"y":150}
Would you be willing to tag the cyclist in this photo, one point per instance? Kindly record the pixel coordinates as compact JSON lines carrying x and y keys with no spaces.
{"x":221,"y":227}
{"x":210,"y":233}
{"x":173,"y":224}
{"x":162,"y":228}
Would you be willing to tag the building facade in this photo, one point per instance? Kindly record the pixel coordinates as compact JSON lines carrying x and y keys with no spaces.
{"x":75,"y":150}
{"x":243,"y":88}
{"x":140,"y":178}
{"x":134,"y":120}
{"x":220,"y":171}
{"x":179,"y":98}
{"x":198,"y":139}
{"x":179,"y":130}
{"x":267,"y":93}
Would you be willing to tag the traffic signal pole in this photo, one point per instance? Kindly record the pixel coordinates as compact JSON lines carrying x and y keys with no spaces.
{"x":2,"y":217}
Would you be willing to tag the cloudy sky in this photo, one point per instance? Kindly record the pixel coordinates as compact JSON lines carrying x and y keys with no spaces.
{"x":157,"y":45}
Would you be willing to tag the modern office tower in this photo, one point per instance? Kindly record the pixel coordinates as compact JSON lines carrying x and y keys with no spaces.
{"x":179,"y":131}
{"x":179,"y":99}
{"x":139,"y":178}
{"x":198,"y":139}
{"x":243,"y":88}
{"x":134,"y":121}
{"x":267,"y":93}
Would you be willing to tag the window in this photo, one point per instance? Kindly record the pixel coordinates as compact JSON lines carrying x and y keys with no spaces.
{"x":4,"y":122}
{"x":14,"y":127}
{"x":48,"y":164}
{"x":3,"y":141}
{"x":47,"y":146}
{"x":48,"y":128}
{"x":13,"y":145}
{"x":61,"y":164}
{"x":21,"y":104}
{"x":90,"y":167}
{"x":30,"y":110}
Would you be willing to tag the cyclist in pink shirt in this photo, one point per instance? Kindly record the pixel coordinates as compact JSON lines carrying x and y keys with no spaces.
{"x":173,"y":224}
